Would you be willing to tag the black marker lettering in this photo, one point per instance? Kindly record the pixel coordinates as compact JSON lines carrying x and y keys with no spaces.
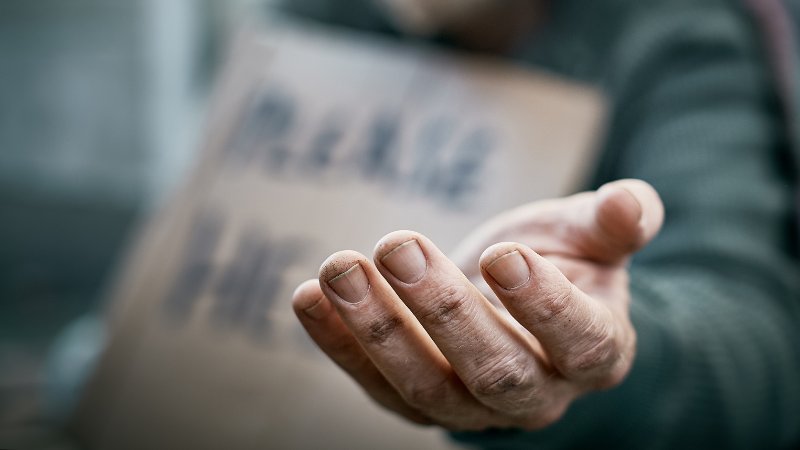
{"x":196,"y":267}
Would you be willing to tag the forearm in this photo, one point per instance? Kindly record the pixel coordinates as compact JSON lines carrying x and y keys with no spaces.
{"x":718,"y":358}
{"x":715,"y":296}
{"x":712,"y":370}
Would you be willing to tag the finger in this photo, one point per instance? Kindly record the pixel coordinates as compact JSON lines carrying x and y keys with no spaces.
{"x":584,"y":339}
{"x":625,"y":216}
{"x":396,"y":343}
{"x":326,"y":328}
{"x":605,"y":226}
{"x":495,"y":361}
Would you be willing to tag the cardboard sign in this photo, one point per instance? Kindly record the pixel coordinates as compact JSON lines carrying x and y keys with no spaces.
{"x":318,"y":141}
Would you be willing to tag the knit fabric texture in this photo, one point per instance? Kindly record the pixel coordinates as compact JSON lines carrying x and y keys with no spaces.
{"x":716,"y":296}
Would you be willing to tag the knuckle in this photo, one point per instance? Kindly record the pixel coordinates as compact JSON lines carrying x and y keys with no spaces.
{"x":448,"y":304}
{"x":426,"y":396}
{"x":554,"y":304}
{"x":381,"y":329}
{"x":508,"y":382}
{"x":345,"y":350}
{"x":545,"y":418}
{"x":619,"y":369}
{"x":349,"y":356}
{"x":597,"y":361}
{"x":613,"y":377}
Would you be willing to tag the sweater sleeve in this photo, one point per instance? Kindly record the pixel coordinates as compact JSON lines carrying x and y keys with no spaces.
{"x":715,"y":296}
{"x":364,"y":15}
{"x":716,"y":301}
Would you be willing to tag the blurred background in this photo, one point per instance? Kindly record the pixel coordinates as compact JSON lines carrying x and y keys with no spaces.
{"x":101,"y":105}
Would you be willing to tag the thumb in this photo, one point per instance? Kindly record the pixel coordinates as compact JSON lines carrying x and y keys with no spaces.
{"x":627,"y":214}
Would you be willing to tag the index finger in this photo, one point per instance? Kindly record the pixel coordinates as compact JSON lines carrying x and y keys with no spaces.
{"x":496,"y":362}
{"x":585,"y":340}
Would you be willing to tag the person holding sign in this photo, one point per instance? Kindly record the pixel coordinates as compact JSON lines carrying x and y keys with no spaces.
{"x":691,"y":342}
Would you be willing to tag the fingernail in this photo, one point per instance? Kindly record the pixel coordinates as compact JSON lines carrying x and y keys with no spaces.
{"x":351,"y":285}
{"x":510,"y":271}
{"x":639,"y":209}
{"x":639,"y":204}
{"x":319,"y":309}
{"x":406,"y":262}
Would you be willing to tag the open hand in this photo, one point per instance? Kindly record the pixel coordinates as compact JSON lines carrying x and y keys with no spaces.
{"x":419,"y":335}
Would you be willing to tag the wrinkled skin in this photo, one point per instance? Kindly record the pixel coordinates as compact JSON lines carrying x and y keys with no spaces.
{"x":528,"y":314}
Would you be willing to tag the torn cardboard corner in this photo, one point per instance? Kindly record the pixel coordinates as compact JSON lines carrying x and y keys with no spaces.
{"x":318,"y":141}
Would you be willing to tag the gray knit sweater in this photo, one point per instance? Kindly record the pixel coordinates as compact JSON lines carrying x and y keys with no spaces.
{"x":716,"y":296}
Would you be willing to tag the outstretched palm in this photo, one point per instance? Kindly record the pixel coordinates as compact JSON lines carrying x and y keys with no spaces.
{"x":420,"y":336}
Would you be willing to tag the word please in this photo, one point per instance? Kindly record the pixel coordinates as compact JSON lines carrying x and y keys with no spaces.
{"x":434,"y":156}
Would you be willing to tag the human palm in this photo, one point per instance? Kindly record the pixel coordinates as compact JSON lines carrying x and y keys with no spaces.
{"x":530,"y":312}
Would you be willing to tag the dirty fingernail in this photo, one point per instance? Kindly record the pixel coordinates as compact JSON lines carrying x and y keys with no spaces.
{"x":406,"y":262}
{"x":510,"y":271}
{"x":351,"y":285}
{"x":319,"y":309}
